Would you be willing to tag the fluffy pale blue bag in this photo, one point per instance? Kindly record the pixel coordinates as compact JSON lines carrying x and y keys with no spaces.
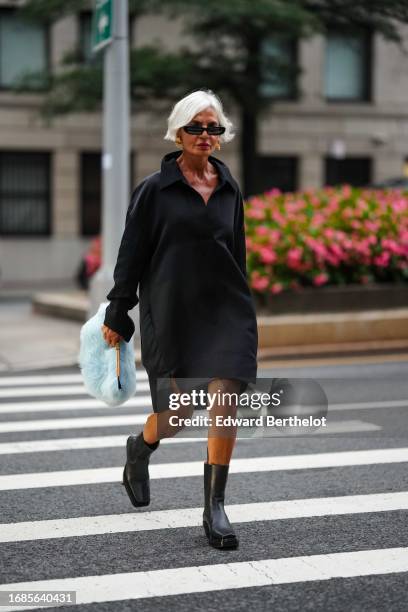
{"x":97,"y":362}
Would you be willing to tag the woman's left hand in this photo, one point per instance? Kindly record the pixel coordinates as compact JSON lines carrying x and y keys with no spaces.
{"x":110,"y":336}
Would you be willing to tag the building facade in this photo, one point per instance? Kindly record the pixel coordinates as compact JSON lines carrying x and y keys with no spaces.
{"x":343,"y":119}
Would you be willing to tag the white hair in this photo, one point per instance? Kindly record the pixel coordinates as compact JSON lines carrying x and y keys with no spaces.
{"x":186,"y":108}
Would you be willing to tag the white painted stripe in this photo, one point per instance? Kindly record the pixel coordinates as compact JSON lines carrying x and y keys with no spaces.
{"x":56,"y":390}
{"x":75,"y":423}
{"x":192,"y":517}
{"x":62,"y":444}
{"x":59,"y":444}
{"x":332,"y":427}
{"x":49,"y":379}
{"x":195,"y":468}
{"x":335,"y":427}
{"x":76,"y":404}
{"x":89,"y":404}
{"x":370,"y":405}
{"x":220,"y":576}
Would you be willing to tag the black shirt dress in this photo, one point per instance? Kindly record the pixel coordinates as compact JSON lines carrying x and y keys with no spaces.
{"x":188,"y":258}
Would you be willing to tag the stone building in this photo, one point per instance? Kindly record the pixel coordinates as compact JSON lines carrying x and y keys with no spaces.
{"x":344,"y":120}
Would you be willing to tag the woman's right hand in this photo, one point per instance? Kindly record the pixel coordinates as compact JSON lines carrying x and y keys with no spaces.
{"x":110,"y":336}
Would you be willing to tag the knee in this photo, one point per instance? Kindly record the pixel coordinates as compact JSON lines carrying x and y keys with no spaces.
{"x":225,"y":385}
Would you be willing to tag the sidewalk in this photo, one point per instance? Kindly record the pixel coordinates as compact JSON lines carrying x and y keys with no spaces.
{"x":31,"y":340}
{"x":41,"y":329}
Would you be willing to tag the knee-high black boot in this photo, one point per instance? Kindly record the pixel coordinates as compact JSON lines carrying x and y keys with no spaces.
{"x":136,"y":471}
{"x":216,"y":525}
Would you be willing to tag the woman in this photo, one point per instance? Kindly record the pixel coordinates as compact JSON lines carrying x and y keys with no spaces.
{"x":184,"y":245}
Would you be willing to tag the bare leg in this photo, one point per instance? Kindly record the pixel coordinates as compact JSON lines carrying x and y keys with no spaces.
{"x":157,"y":425}
{"x":221,"y":439}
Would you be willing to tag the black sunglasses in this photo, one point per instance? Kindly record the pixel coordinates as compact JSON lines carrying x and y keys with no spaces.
{"x":197,"y":130}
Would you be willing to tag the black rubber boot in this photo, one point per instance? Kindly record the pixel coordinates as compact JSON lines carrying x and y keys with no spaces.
{"x":136,"y":471}
{"x":216,"y":525}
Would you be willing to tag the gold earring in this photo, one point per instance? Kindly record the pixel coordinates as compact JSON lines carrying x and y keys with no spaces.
{"x":178,"y":142}
{"x":218,"y":146}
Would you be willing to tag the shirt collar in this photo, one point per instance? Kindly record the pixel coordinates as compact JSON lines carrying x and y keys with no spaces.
{"x":170,"y":171}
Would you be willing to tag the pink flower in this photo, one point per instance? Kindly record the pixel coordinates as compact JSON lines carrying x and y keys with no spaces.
{"x":382,"y":260}
{"x":346,"y":191}
{"x":319,"y":249}
{"x":320,"y":279}
{"x":294,"y":257}
{"x":276,"y":287}
{"x":371,"y":226}
{"x":278,"y":217}
{"x":337,"y":250}
{"x":391,"y":245}
{"x":267,"y":255}
{"x":274,"y":235}
{"x":347,"y":213}
{"x":361,"y":204}
{"x":260,"y":283}
{"x":399,"y":205}
{"x":255,"y":213}
{"x":318,"y":220}
{"x":257,"y":202}
{"x":362,"y":247}
{"x":261,"y":230}
{"x":273,"y":192}
{"x":333,"y":259}
{"x":293,"y":207}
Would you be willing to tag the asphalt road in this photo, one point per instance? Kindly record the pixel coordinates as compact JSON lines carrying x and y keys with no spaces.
{"x":322,"y":518}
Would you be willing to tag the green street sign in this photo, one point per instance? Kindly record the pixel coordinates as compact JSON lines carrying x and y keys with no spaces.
{"x":102,"y":24}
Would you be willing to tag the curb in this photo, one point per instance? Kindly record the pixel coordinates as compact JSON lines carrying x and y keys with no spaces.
{"x":275,"y":330}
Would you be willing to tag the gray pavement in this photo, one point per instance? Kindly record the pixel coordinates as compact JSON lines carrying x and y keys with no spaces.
{"x":183,"y":547}
{"x":30,"y":340}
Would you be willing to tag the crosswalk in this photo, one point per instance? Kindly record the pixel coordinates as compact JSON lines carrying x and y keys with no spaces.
{"x":68,"y":525}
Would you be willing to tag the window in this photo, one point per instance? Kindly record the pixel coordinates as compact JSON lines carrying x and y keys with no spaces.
{"x":24,"y":194}
{"x":23,"y":49}
{"x":348,"y":66}
{"x":276,"y":172}
{"x":354,"y":171}
{"x":279,"y":67}
{"x":91,"y":192}
{"x":85,"y":38}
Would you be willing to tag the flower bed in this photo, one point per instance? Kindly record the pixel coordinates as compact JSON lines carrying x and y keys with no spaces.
{"x":331,"y":236}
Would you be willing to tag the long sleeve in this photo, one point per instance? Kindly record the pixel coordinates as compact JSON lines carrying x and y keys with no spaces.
{"x":239,"y":237}
{"x":133,"y":255}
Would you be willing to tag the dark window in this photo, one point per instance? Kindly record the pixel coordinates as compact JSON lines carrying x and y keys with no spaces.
{"x":24,"y":194}
{"x":24,"y":51}
{"x":91,"y":192}
{"x":276,"y":172}
{"x":85,"y":37}
{"x":348,"y":65}
{"x":279,"y":59}
{"x":351,"y":170}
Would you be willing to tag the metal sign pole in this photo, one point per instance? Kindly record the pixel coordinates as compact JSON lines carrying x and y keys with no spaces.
{"x":115,"y":158}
